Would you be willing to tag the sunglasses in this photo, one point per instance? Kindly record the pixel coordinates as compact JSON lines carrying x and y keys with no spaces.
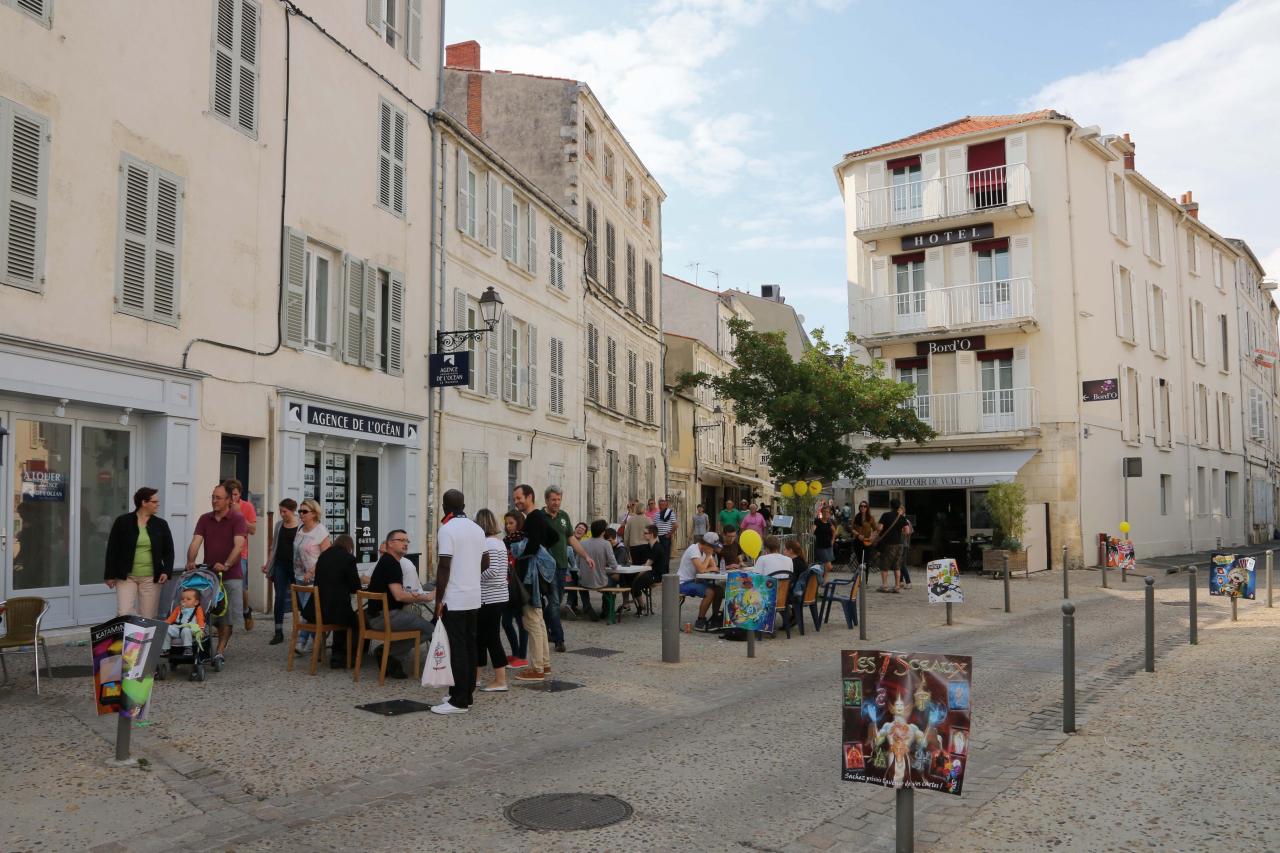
{"x":304,"y":512}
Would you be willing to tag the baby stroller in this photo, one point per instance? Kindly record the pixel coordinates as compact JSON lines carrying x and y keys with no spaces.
{"x":213,"y":600}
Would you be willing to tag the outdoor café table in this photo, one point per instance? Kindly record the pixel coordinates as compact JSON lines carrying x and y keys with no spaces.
{"x":720,"y":578}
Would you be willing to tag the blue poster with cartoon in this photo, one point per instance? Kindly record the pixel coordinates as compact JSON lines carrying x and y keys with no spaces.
{"x":750,"y":601}
{"x":1233,"y":577}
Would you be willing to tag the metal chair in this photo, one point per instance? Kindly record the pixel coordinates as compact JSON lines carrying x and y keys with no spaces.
{"x":22,"y":617}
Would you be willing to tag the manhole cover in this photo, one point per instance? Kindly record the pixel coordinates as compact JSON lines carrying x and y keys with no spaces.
{"x":394,"y":707}
{"x":75,"y":671}
{"x":568,"y":811}
{"x":594,"y":652}
{"x":556,"y":686}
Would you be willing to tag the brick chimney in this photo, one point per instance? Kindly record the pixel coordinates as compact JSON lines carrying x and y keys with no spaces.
{"x":475,"y":104}
{"x":464,"y":54}
{"x":1128,"y":158}
{"x":1191,"y":206}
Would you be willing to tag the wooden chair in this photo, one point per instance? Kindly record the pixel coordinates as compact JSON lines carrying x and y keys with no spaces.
{"x":384,"y":635}
{"x":320,"y":629}
{"x":22,"y":617}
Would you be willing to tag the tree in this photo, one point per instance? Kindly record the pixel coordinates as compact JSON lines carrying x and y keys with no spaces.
{"x":809,"y":415}
{"x":1007,"y":505}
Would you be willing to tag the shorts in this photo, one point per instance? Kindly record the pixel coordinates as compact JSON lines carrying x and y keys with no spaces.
{"x":234,"y":588}
{"x":891,"y":558}
{"x":697,"y":589}
{"x":824,"y":555}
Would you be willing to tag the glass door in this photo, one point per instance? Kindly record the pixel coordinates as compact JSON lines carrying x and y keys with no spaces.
{"x":997,"y":395}
{"x":40,"y":526}
{"x":104,"y":491}
{"x":909,"y":287}
{"x":994,"y":299}
{"x":367,"y":534}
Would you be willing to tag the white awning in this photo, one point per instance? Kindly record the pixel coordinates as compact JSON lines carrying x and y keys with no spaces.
{"x":954,"y":470}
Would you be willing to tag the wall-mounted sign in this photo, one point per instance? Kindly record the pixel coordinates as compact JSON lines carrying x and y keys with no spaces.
{"x":985,"y":231}
{"x":951,"y":345}
{"x":925,"y":482}
{"x":1094,"y":390}
{"x":449,"y":369}
{"x":1264,"y":358}
{"x":317,"y":416}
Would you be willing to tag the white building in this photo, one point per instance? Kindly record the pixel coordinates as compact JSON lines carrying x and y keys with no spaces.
{"x":214,"y":256}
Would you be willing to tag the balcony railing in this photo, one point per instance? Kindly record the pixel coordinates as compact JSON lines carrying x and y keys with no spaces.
{"x":969,"y":412}
{"x":952,"y":195}
{"x":988,"y":303}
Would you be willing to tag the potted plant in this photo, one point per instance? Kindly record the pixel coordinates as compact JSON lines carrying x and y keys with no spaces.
{"x":1007,"y":504}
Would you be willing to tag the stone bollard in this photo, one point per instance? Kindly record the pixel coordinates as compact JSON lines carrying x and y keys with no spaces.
{"x":1193,"y":593}
{"x":1068,"y":667}
{"x":670,"y":618}
{"x":1006,"y":582}
{"x":1151,"y":623}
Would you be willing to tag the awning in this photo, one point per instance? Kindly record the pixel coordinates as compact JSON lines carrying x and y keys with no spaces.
{"x":957,"y":469}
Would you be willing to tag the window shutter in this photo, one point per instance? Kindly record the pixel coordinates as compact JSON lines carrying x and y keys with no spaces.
{"x":395,"y":326}
{"x":1146,"y":225}
{"x":531,"y":385}
{"x":397,"y":169}
{"x":1199,"y":254}
{"x":508,"y":225}
{"x":131,"y":290}
{"x":464,"y":166}
{"x":293,"y":317}
{"x":24,"y":172}
{"x":391,"y":130}
{"x":610,"y":258}
{"x":960,"y":263}
{"x":247,"y":67}
{"x":413,"y":38}
{"x":1152,"y":332}
{"x":593,"y":361}
{"x":373,"y":15}
{"x":459,"y":309}
{"x":491,"y":211}
{"x":611,"y":367}
{"x":557,"y":376}
{"x":648,"y":292}
{"x":631,"y":276}
{"x":648,"y":391}
{"x":1134,"y":297}
{"x":164,"y":250}
{"x":492,"y":366}
{"x":234,"y":93}
{"x":875,"y":176}
{"x":593,"y":237}
{"x":1111,"y":202}
{"x":224,"y":62}
{"x":1118,"y":297}
{"x":1164,"y":312}
{"x":384,"y":154}
{"x":1217,"y":269}
{"x":1123,"y":373}
{"x":353,"y":307}
{"x":531,"y":261}
{"x":369,"y":336}
{"x":507,"y":366}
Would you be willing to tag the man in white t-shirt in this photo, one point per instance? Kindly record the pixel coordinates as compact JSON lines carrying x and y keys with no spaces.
{"x":771,"y":561}
{"x":700,"y":557}
{"x":460,"y":548}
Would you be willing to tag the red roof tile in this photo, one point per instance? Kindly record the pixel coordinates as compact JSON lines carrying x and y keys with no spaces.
{"x":960,"y":127}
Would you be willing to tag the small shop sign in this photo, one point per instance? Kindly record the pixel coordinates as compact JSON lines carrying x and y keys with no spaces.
{"x":1096,"y":390}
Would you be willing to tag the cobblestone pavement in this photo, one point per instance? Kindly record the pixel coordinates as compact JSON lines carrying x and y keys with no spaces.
{"x":717,"y":752}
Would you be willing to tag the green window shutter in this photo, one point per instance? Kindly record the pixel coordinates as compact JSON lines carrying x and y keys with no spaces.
{"x":369,"y":336}
{"x":353,"y":307}
{"x":293,"y":329}
{"x":24,"y":177}
{"x":395,"y":325}
{"x":413,"y":39}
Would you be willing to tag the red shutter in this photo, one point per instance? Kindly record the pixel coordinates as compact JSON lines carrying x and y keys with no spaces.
{"x":908,"y":258}
{"x":998,"y":244}
{"x":986,"y":155}
{"x":911,"y":162}
{"x":907,"y":363}
{"x":996,"y":355}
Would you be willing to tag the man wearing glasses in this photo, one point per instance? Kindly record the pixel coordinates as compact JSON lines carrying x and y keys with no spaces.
{"x":222,"y":533}
{"x":388,"y":578}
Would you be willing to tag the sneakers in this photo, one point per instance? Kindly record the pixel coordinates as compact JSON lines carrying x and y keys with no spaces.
{"x":517,"y":663}
{"x":447,"y":708}
{"x":560,"y":647}
{"x":700,"y":625}
{"x":277,"y":638}
{"x":533,"y":674}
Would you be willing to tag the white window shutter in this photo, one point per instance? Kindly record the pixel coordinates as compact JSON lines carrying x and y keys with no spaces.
{"x":373,"y":15}
{"x":24,"y":191}
{"x":1016,"y":176}
{"x":398,"y":164}
{"x":508,"y":368}
{"x":1117,"y":291}
{"x":293,"y":317}
{"x":464,"y":166}
{"x":223,"y":92}
{"x":384,"y":154}
{"x":1020,"y":260}
{"x":1111,"y":202}
{"x":135,"y":201}
{"x":1146,"y":226}
{"x":459,"y":309}
{"x":395,"y":325}
{"x":247,"y":67}
{"x":1164,"y":301}
{"x":353,"y":309}
{"x":531,"y":260}
{"x":531,"y":385}
{"x":508,"y":225}
{"x":880,"y":276}
{"x":1199,"y":252}
{"x":960,"y":262}
{"x":874,"y":176}
{"x":1134,"y":296}
{"x":413,"y":30}
{"x":165,"y":259}
{"x":1123,"y":373}
{"x":492,"y":365}
{"x":1153,"y":334}
{"x":491,"y":212}
{"x":369,"y":335}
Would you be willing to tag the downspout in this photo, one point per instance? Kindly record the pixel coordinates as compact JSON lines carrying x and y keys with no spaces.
{"x":1191,"y":515}
{"x":434,"y":283}
{"x":1075,"y":328}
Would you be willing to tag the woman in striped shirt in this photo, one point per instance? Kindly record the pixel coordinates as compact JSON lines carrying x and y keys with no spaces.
{"x":493,"y":601}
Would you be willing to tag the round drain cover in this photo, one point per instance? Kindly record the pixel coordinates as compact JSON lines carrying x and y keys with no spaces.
{"x":568,"y":811}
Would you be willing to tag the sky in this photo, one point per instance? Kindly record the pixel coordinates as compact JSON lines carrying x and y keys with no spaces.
{"x":741,"y":108}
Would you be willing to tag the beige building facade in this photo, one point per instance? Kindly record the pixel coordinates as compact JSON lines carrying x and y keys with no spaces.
{"x":214,"y":261}
{"x":1058,"y":315}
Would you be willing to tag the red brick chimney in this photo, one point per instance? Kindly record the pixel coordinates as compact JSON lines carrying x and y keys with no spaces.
{"x":1188,"y":204}
{"x":464,"y":54}
{"x":475,"y":104}
{"x":1128,"y":158}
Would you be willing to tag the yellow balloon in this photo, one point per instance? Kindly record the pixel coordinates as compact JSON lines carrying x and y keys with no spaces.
{"x":787,"y":490}
{"x":1124,"y":527}
{"x":750,"y":542}
{"x":802,"y":488}
{"x":815,"y":487}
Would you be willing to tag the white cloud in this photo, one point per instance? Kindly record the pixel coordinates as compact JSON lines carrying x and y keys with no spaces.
{"x":781,"y":242}
{"x":1202,"y":111}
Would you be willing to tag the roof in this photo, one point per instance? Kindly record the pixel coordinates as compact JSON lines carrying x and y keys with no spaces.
{"x":961,"y":127}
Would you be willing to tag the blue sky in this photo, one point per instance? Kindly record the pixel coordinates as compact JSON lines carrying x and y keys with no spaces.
{"x":741,"y":107}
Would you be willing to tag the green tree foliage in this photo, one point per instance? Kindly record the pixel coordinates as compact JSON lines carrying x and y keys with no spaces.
{"x":825,"y":416}
{"x":1007,"y":505}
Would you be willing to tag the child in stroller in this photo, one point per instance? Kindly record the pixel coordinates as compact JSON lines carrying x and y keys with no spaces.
{"x":200,"y":594}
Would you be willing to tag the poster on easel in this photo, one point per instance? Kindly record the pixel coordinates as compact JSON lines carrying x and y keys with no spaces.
{"x":125,"y":653}
{"x":943,"y":579}
{"x":1120,"y":554}
{"x":1233,"y":577}
{"x":750,"y":601}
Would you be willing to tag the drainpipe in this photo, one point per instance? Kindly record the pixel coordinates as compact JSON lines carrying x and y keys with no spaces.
{"x":435,"y":283}
{"x":1177,"y":269}
{"x":1075,"y":328}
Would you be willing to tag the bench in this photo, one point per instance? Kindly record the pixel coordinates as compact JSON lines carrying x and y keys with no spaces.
{"x":608,"y":594}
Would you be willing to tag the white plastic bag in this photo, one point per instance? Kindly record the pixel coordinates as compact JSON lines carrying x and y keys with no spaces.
{"x":438,"y":672}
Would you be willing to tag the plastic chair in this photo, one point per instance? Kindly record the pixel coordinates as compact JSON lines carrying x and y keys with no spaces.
{"x":805,"y":594}
{"x":22,"y":617}
{"x":320,"y":629}
{"x":385,"y":635}
{"x":848,"y":603}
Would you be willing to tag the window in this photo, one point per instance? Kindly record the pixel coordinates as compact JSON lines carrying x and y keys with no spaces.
{"x":673,"y":421}
{"x":593,"y":362}
{"x":611,"y":369}
{"x":908,"y":192}
{"x":648,"y":292}
{"x":1216,"y":483}
{"x":1193,"y":254}
{"x":1164,"y":415}
{"x":321,"y":285}
{"x":631,"y":383}
{"x":997,"y":393}
{"x":1224,"y":421}
{"x":235,"y":63}
{"x":1197,"y":330}
{"x":510,"y":226}
{"x":1119,"y":211}
{"x":909,"y":287}
{"x":1166,"y":493}
{"x":557,"y":376}
{"x":608,"y":167}
{"x":648,"y":392}
{"x":646,"y":210}
{"x":1200,"y":412}
{"x":24,"y":195}
{"x":1259,"y":418}
{"x":555,"y":251}
{"x":629,"y":190}
{"x":147,"y":275}
{"x":1202,"y":491}
{"x":631,"y":277}
{"x":391,"y":130}
{"x":513,"y":480}
{"x":41,"y":10}
{"x":610,"y":258}
{"x":1159,"y":343}
{"x":994,"y":298}
{"x":399,"y":24}
{"x":1225,"y":349}
{"x":593,"y":241}
{"x":1123,"y":285}
{"x":919,"y":377}
{"x":1132,"y":431}
{"x":1231,"y":484}
{"x":589,"y":139}
{"x":473,"y":345}
{"x":384,"y":322}
{"x":1151,"y":236}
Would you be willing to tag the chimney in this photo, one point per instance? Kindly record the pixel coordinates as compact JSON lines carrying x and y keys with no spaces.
{"x":1188,"y":204}
{"x":475,"y":104}
{"x":1128,"y":158}
{"x":464,"y":54}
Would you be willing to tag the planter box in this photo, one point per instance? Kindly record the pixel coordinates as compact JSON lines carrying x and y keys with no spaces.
{"x":993,"y":561}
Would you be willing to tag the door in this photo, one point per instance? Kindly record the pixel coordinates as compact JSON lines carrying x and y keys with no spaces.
{"x":995,"y":302}
{"x":365,"y":509}
{"x":909,"y":294}
{"x":40,"y":531}
{"x":919,"y":377}
{"x":104,"y":490}
{"x":908,"y":194}
{"x":1037,"y":537}
{"x":997,"y":395}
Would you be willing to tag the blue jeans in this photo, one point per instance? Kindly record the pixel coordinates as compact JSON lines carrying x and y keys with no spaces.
{"x":281,"y":578}
{"x":551,"y":608}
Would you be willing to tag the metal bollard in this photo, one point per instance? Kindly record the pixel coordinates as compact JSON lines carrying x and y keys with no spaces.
{"x":1104,"y":575}
{"x":906,"y":820}
{"x":1124,"y":572}
{"x":1194,"y":594}
{"x":1068,"y":667}
{"x":1006,"y":582}
{"x":751,"y":644}
{"x":1270,"y":559}
{"x":1151,"y":623}
{"x":670,"y":618}
{"x":1235,"y":615}
{"x":862,"y":606}
{"x":1066,"y":583}
{"x":948,"y":612}
{"x":124,"y":730}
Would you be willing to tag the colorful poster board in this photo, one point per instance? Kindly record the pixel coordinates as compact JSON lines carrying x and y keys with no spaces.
{"x":750,"y":601}
{"x":906,"y":719}
{"x":125,"y":652}
{"x":1233,"y":577}
{"x":943,"y":579}
{"x":1120,"y":554}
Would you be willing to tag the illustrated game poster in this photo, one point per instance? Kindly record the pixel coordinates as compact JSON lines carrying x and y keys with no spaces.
{"x":1232,"y":576}
{"x":1120,"y":554}
{"x":751,"y":601}
{"x":943,"y":578}
{"x":125,"y":652}
{"x":906,"y":719}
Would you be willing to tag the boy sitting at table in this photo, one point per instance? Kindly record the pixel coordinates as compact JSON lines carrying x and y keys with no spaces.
{"x":698,"y":558}
{"x":731,"y":556}
{"x":600,"y":550}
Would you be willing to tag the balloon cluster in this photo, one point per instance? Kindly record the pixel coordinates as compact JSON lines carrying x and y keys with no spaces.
{"x":801,"y":488}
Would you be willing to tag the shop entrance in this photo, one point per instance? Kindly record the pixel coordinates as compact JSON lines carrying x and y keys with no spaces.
{"x":347,"y":486}
{"x":938,"y":518}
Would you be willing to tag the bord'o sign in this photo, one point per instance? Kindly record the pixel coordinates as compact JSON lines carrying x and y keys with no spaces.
{"x":971,"y":344}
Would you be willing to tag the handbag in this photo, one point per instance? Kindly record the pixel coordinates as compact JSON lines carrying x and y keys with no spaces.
{"x":517,"y":593}
{"x":438,"y":672}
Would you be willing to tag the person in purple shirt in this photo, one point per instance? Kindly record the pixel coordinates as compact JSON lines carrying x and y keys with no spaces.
{"x":753,"y":520}
{"x":222,"y":533}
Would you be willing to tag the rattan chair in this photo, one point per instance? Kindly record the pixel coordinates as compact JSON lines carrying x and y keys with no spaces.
{"x":384,"y":635}
{"x":320,"y":629}
{"x":22,"y":617}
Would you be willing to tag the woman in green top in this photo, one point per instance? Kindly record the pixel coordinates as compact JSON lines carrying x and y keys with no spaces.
{"x":139,"y":556}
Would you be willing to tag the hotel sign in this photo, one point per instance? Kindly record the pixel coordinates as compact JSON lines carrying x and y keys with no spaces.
{"x":912,"y":242}
{"x":947,"y":345}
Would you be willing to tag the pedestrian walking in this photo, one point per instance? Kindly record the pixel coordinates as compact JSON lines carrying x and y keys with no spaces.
{"x":538,"y":536}
{"x":279,"y":565}
{"x":236,"y":489}
{"x":220,"y":533}
{"x":700,"y":523}
{"x":729,"y":517}
{"x":139,"y":556}
{"x":461,"y":553}
{"x":309,"y":542}
{"x":824,"y":539}
{"x":753,"y":520}
{"x":494,"y":596}
{"x":513,"y":615}
{"x":563,"y":525}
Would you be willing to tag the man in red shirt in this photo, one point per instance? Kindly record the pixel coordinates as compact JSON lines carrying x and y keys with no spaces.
{"x":222,"y":533}
{"x":245,"y":508}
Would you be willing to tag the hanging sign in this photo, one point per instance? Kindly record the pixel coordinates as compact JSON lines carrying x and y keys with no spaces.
{"x":1096,"y":390}
{"x":450,"y":369}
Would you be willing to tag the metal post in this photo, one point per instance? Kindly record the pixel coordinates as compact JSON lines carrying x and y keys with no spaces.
{"x":1006,"y":581}
{"x":948,"y":612}
{"x":862,"y":607}
{"x":1151,"y":623}
{"x":1235,"y":616}
{"x":1124,"y":572}
{"x":751,"y":644}
{"x":1193,"y":594}
{"x":1218,"y":547}
{"x":1068,"y":667}
{"x":1066,"y":583}
{"x":670,"y":618}
{"x":1105,"y":585}
{"x":906,"y":815}
{"x":1270,"y":559}
{"x":124,"y":729}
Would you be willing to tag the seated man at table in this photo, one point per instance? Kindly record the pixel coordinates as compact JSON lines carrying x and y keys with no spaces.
{"x":771,"y":561}
{"x":700,"y":557}
{"x":731,"y":556}
{"x":388,"y":577}
{"x":596,"y":576}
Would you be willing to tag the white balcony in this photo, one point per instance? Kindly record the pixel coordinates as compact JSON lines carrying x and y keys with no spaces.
{"x":977,"y":412}
{"x":1006,"y":303}
{"x":983,"y":190}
